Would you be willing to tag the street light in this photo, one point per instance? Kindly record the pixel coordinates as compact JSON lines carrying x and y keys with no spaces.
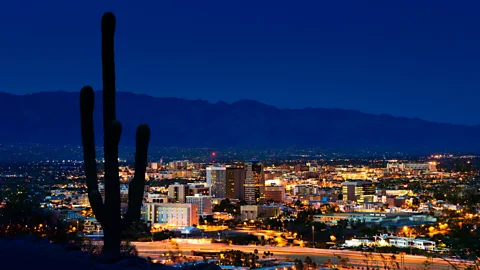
{"x":411,"y":240}
{"x":313,"y":236}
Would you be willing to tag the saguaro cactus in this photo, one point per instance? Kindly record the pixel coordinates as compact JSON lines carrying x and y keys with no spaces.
{"x":107,"y":211}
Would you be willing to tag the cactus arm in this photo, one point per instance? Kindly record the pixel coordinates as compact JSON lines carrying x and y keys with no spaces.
{"x":88,"y":142}
{"x":137,"y":185}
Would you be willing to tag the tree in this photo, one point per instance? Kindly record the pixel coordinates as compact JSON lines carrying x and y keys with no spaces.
{"x":159,"y":236}
{"x":308,"y":261}
{"x":298,"y":264}
{"x":209,"y":219}
{"x":416,"y":201}
{"x":108,"y":212}
{"x":342,"y":224}
{"x":19,"y":208}
{"x":138,"y":229}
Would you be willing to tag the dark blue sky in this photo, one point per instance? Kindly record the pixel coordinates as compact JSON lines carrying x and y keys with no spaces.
{"x":404,"y":58}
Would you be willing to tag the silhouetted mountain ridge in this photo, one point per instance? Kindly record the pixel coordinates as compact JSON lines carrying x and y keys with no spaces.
{"x":53,"y":117}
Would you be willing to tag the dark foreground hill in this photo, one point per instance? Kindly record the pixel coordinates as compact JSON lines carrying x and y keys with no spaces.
{"x":53,"y":118}
{"x":25,"y":253}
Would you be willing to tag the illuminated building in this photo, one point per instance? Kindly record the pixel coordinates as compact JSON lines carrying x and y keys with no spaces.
{"x":83,"y":200}
{"x":153,"y":165}
{"x":204,"y":203}
{"x":177,"y":193}
{"x":305,"y":190}
{"x":171,"y":214}
{"x":156,"y":198}
{"x":415,"y":167}
{"x":235,"y":182}
{"x":274,"y":193}
{"x":92,"y":225}
{"x":194,"y":189}
{"x":358,"y":191}
{"x":259,"y":211}
{"x":254,"y":182}
{"x":216,"y":180}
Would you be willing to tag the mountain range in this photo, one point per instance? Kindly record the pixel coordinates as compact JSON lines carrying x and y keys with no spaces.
{"x":53,"y":118}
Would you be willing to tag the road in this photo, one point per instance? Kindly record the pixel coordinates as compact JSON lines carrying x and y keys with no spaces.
{"x":356,"y":258}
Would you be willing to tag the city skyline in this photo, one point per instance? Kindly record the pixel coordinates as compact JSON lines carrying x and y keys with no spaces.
{"x":408,"y":59}
{"x":310,"y":208}
{"x":169,"y":175}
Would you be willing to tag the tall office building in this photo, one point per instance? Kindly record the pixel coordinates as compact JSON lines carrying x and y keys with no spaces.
{"x":204,"y":203}
{"x":177,"y":193}
{"x":254,"y":182}
{"x":235,"y":182}
{"x":359,"y":191}
{"x":216,"y":180}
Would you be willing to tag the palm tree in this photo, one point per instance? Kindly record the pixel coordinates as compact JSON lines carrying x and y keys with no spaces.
{"x":393,"y":262}
{"x":384,"y":261}
{"x":368,"y":258}
{"x":328,"y":263}
{"x":426,"y":264}
{"x":343,"y":261}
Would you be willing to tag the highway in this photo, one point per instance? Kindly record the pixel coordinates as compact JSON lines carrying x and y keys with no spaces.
{"x":356,"y":258}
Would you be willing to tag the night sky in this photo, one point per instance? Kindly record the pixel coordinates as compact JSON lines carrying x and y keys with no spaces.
{"x":403,"y":58}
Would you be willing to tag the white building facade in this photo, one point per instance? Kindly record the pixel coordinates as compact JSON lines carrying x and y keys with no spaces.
{"x":173,"y":215}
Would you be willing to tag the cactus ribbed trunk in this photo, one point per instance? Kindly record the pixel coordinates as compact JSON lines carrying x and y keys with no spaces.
{"x":107,"y":210}
{"x":112,"y":181}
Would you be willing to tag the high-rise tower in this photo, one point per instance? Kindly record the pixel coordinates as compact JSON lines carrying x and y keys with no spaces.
{"x":216,"y":180}
{"x":254,"y":182}
{"x":235,"y":182}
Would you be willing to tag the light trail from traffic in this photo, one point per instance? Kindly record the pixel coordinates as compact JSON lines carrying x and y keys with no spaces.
{"x":356,"y":258}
